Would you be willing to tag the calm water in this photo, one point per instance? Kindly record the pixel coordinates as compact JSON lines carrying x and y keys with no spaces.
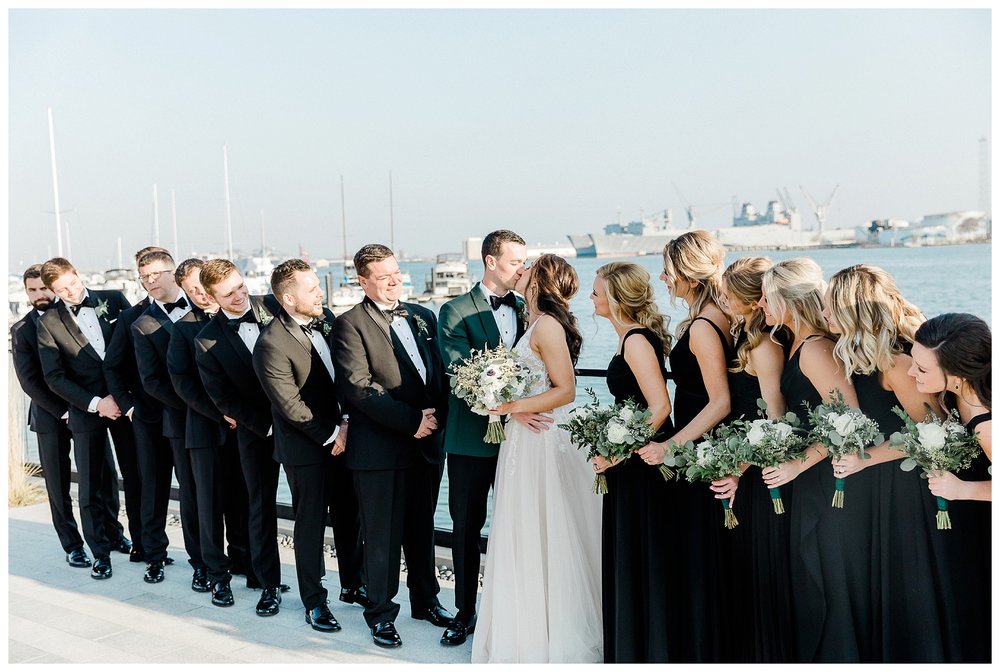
{"x":936,"y":279}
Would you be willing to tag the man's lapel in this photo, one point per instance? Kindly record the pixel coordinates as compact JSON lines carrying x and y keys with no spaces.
{"x":517,"y":318}
{"x":481,"y":306}
{"x":74,"y":330}
{"x":233,"y":339}
{"x":375,"y":315}
{"x":296,"y":331}
{"x":104,"y":321}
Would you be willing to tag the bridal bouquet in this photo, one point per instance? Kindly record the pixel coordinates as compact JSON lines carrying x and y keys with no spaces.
{"x":844,"y":431}
{"x":773,"y":442}
{"x":488,"y":378}
{"x":935,"y":445}
{"x":609,"y":431}
{"x":719,"y":455}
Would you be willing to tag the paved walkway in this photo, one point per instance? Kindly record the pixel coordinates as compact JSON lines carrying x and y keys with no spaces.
{"x":58,"y":614}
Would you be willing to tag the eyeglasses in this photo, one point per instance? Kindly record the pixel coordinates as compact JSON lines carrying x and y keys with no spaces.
{"x":153,"y":275}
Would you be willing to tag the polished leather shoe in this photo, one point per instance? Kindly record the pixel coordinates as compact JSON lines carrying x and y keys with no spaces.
{"x":356,"y":596}
{"x":320,"y":618}
{"x":270,"y":598}
{"x":124,"y":545}
{"x":436,"y":615}
{"x":222,"y":594}
{"x":384,"y":634}
{"x":154,"y":572}
{"x":78,"y":558}
{"x":458,"y":631}
{"x":101,"y":569}
{"x":136,"y":555}
{"x":199,"y":581}
{"x":168,"y":560}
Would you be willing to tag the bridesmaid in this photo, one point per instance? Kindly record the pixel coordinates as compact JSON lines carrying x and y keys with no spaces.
{"x":831,"y":555}
{"x":876,"y":327}
{"x":755,"y":373}
{"x":952,"y":357}
{"x":638,"y":555}
{"x":692,"y":269}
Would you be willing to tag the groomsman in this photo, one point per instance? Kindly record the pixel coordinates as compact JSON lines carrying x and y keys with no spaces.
{"x":72,"y":338}
{"x":153,"y":457}
{"x":151,"y":337}
{"x":392,"y":381}
{"x":484,"y":318}
{"x":223,"y":352}
{"x":210,"y":439}
{"x":45,"y":417}
{"x":293,"y":362}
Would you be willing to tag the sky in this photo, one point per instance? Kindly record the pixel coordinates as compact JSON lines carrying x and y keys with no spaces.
{"x":546,"y":122}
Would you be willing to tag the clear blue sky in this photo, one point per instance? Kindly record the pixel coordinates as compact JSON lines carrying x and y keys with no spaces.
{"x":545,"y":122}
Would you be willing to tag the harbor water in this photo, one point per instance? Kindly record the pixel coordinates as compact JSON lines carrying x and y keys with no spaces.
{"x":954,"y":278}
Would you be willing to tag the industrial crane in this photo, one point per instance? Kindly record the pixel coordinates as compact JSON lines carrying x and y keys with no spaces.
{"x":820,"y":210}
{"x":690,"y":209}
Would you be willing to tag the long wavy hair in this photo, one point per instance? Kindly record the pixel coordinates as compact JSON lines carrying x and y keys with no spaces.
{"x":630,"y":299}
{"x":794,"y":290}
{"x":874,"y":319}
{"x":964,"y":348}
{"x":553,"y":283}
{"x":743,"y":280}
{"x":695,"y":256}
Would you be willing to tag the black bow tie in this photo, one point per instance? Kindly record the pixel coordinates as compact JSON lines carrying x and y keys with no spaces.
{"x":310,"y":325}
{"x":393,"y":313}
{"x":86,"y":303}
{"x":179,"y":303}
{"x":507,"y":299}
{"x":247,"y":317}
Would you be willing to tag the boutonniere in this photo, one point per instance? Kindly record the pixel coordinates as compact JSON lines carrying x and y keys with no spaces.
{"x":421,"y":325}
{"x":101,"y":309}
{"x":265,"y":319}
{"x":522,"y":313}
{"x":326,"y":327}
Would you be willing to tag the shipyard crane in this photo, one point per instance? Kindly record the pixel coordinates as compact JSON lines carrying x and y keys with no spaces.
{"x":690,"y":209}
{"x":788,"y":204}
{"x":820,"y":210}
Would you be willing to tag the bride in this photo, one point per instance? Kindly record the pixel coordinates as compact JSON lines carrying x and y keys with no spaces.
{"x":541,"y":598}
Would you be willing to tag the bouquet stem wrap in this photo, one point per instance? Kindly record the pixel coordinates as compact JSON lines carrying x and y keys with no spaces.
{"x":838,"y":494}
{"x":668,"y":473}
{"x":730,"y":515}
{"x":600,"y":484}
{"x":943,"y":519}
{"x":494,"y":431}
{"x":779,"y":506}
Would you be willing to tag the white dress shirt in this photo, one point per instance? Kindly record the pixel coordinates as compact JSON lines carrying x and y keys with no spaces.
{"x":405,"y":334}
{"x":248,"y":331}
{"x":323,"y":349}
{"x":176,"y":313}
{"x":90,"y":326}
{"x":506,"y":319}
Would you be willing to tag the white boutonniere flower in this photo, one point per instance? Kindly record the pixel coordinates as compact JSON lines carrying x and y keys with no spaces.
{"x":101,"y":309}
{"x":265,"y":319}
{"x":326,"y":327}
{"x":421,"y":325}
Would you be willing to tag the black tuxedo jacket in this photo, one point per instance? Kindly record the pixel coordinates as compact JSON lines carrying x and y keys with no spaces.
{"x":46,"y":407}
{"x":151,"y":338}
{"x":382,"y":390}
{"x":226,"y":367}
{"x":303,"y":399}
{"x":122,"y":373}
{"x":71,"y":366}
{"x":205,"y":427}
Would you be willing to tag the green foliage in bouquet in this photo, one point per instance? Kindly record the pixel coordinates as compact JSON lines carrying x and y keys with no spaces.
{"x":844,"y":431}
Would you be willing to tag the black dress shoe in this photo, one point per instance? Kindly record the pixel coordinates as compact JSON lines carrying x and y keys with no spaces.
{"x":384,"y":634}
{"x":356,"y":596}
{"x":436,"y":615}
{"x":136,"y":555}
{"x":270,"y":598}
{"x":458,"y":631}
{"x":78,"y":558}
{"x":199,"y":581}
{"x":320,"y":618}
{"x":101,"y":569}
{"x":284,"y":587}
{"x":168,"y":560}
{"x":154,"y":572}
{"x":124,"y":545}
{"x":222,"y":594}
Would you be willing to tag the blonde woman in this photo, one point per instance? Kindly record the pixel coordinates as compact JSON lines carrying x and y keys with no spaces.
{"x":639,"y":562}
{"x":761,"y":541}
{"x":830,"y":561}
{"x":875,"y":327}
{"x":692,"y":270}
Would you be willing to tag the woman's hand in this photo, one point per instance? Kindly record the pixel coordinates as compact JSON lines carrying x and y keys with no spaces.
{"x":946,"y":485}
{"x":653,"y":452}
{"x":725,"y":488}
{"x":783,"y":474}
{"x":601,"y":465}
{"x":849,"y":464}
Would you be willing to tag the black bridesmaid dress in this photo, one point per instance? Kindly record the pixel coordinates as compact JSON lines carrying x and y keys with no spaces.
{"x":832,"y":551}
{"x":760,"y":547}
{"x":638,"y":552}
{"x":709,"y":620}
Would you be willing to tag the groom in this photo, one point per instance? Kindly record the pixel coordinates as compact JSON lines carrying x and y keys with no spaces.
{"x":484,"y":318}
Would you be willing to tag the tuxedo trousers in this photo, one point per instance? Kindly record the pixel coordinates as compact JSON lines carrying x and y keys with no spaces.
{"x":188,"y":493}
{"x":97,"y":491}
{"x":222,"y":506}
{"x":123,"y":437}
{"x":260,"y":472}
{"x":469,"y":481}
{"x":53,"y":455}
{"x":155,"y":460}
{"x":397,"y":511}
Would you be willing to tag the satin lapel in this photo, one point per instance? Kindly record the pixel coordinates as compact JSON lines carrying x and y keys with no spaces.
{"x":296,"y":332}
{"x":401,"y":354}
{"x":74,"y":330}
{"x":518,"y":320}
{"x":235,"y":342}
{"x":376,"y":316}
{"x":486,"y":319}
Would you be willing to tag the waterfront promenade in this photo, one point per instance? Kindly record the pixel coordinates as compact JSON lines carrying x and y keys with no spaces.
{"x":57,"y":614}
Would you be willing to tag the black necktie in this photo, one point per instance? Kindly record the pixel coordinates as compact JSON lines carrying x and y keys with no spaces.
{"x":508,"y":299}
{"x":247,"y":317}
{"x":179,"y":303}
{"x":86,"y":303}
{"x":393,"y":313}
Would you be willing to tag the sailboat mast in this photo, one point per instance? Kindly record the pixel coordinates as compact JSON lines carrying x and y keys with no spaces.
{"x":173,"y":219}
{"x":156,"y":219}
{"x":55,"y":183}
{"x":229,"y":221}
{"x":343,"y":224}
{"x":262,"y":253}
{"x":392,"y":228}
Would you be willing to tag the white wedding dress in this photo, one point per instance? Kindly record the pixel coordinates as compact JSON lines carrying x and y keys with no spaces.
{"x":541,"y":600}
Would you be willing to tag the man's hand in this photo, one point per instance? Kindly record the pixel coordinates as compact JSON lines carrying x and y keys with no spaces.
{"x":428,"y":424}
{"x":536,"y":422}
{"x":107,"y":408}
{"x":229,"y":421}
{"x":340,"y":443}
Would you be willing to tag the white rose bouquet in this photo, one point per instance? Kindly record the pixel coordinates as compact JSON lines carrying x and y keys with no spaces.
{"x":935,"y":445}
{"x":720,"y":454}
{"x":488,"y":378}
{"x":844,"y":431}
{"x":773,"y":442}
{"x":609,"y":431}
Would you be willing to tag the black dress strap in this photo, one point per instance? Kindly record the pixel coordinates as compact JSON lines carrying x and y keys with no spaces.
{"x":628,"y":333}
{"x":726,"y":346}
{"x":979,"y":419}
